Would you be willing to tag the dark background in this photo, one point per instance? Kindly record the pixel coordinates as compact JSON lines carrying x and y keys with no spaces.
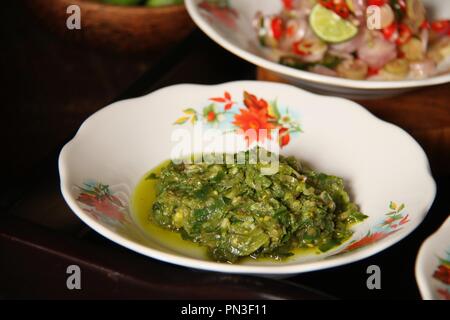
{"x":49,"y":86}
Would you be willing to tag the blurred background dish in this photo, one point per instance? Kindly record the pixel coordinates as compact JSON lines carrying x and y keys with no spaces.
{"x":127,"y":29}
{"x":433,"y":265}
{"x":231,"y":24}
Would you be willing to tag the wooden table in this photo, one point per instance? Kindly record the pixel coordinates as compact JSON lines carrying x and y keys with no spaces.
{"x":40,"y":236}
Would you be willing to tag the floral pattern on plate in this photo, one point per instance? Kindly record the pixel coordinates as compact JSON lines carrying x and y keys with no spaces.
{"x":432,"y":268}
{"x":252,"y":113}
{"x":442,"y":274}
{"x":108,"y":207}
{"x":395,"y":218}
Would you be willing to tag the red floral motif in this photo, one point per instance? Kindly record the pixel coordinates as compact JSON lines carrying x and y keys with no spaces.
{"x":256,"y":120}
{"x":257,"y":115}
{"x":404,"y":220}
{"x":211,"y":116}
{"x":100,"y":199}
{"x":368,"y":239}
{"x":442,"y":273}
{"x":255,"y":104}
{"x":284,"y":136}
{"x":261,"y":115}
{"x":225,"y":99}
{"x":444,"y":294}
{"x":395,"y":219}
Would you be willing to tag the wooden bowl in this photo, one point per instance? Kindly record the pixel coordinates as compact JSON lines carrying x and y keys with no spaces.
{"x":123,"y":29}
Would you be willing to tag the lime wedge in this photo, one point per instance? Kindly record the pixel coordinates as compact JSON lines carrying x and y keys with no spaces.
{"x":330,"y":27}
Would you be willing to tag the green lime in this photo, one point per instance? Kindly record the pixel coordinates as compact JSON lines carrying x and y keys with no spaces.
{"x":329,"y":26}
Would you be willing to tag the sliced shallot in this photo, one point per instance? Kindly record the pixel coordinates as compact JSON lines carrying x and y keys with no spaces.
{"x":376,"y":51}
{"x":422,"y":69}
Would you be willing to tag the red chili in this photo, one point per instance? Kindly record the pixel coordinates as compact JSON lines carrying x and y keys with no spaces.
{"x":389,"y":31}
{"x":290,"y":31}
{"x":298,"y":48}
{"x":342,"y":9}
{"x":288,"y":4}
{"x":327,"y":4}
{"x":425,"y":25}
{"x":404,"y":34}
{"x":440,"y":26}
{"x":339,"y":7}
{"x":376,"y":2}
{"x":277,"y":27}
{"x":372,"y":71}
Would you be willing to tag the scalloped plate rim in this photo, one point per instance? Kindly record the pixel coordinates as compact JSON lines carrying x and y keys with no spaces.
{"x":422,"y":279}
{"x":237,"y":268}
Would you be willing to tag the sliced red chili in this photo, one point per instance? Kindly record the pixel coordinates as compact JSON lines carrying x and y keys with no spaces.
{"x":373,"y":71}
{"x":342,"y":9}
{"x":301,"y":48}
{"x":389,"y":31}
{"x":277,"y":27}
{"x":288,"y":4}
{"x":327,"y":4}
{"x":376,"y":2}
{"x":440,"y":26}
{"x":425,"y":25}
{"x":290,"y":30}
{"x":404,"y":34}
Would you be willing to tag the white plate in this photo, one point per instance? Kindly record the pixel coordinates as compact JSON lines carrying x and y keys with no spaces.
{"x":433,"y":265}
{"x":379,"y":162}
{"x":233,"y":30}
